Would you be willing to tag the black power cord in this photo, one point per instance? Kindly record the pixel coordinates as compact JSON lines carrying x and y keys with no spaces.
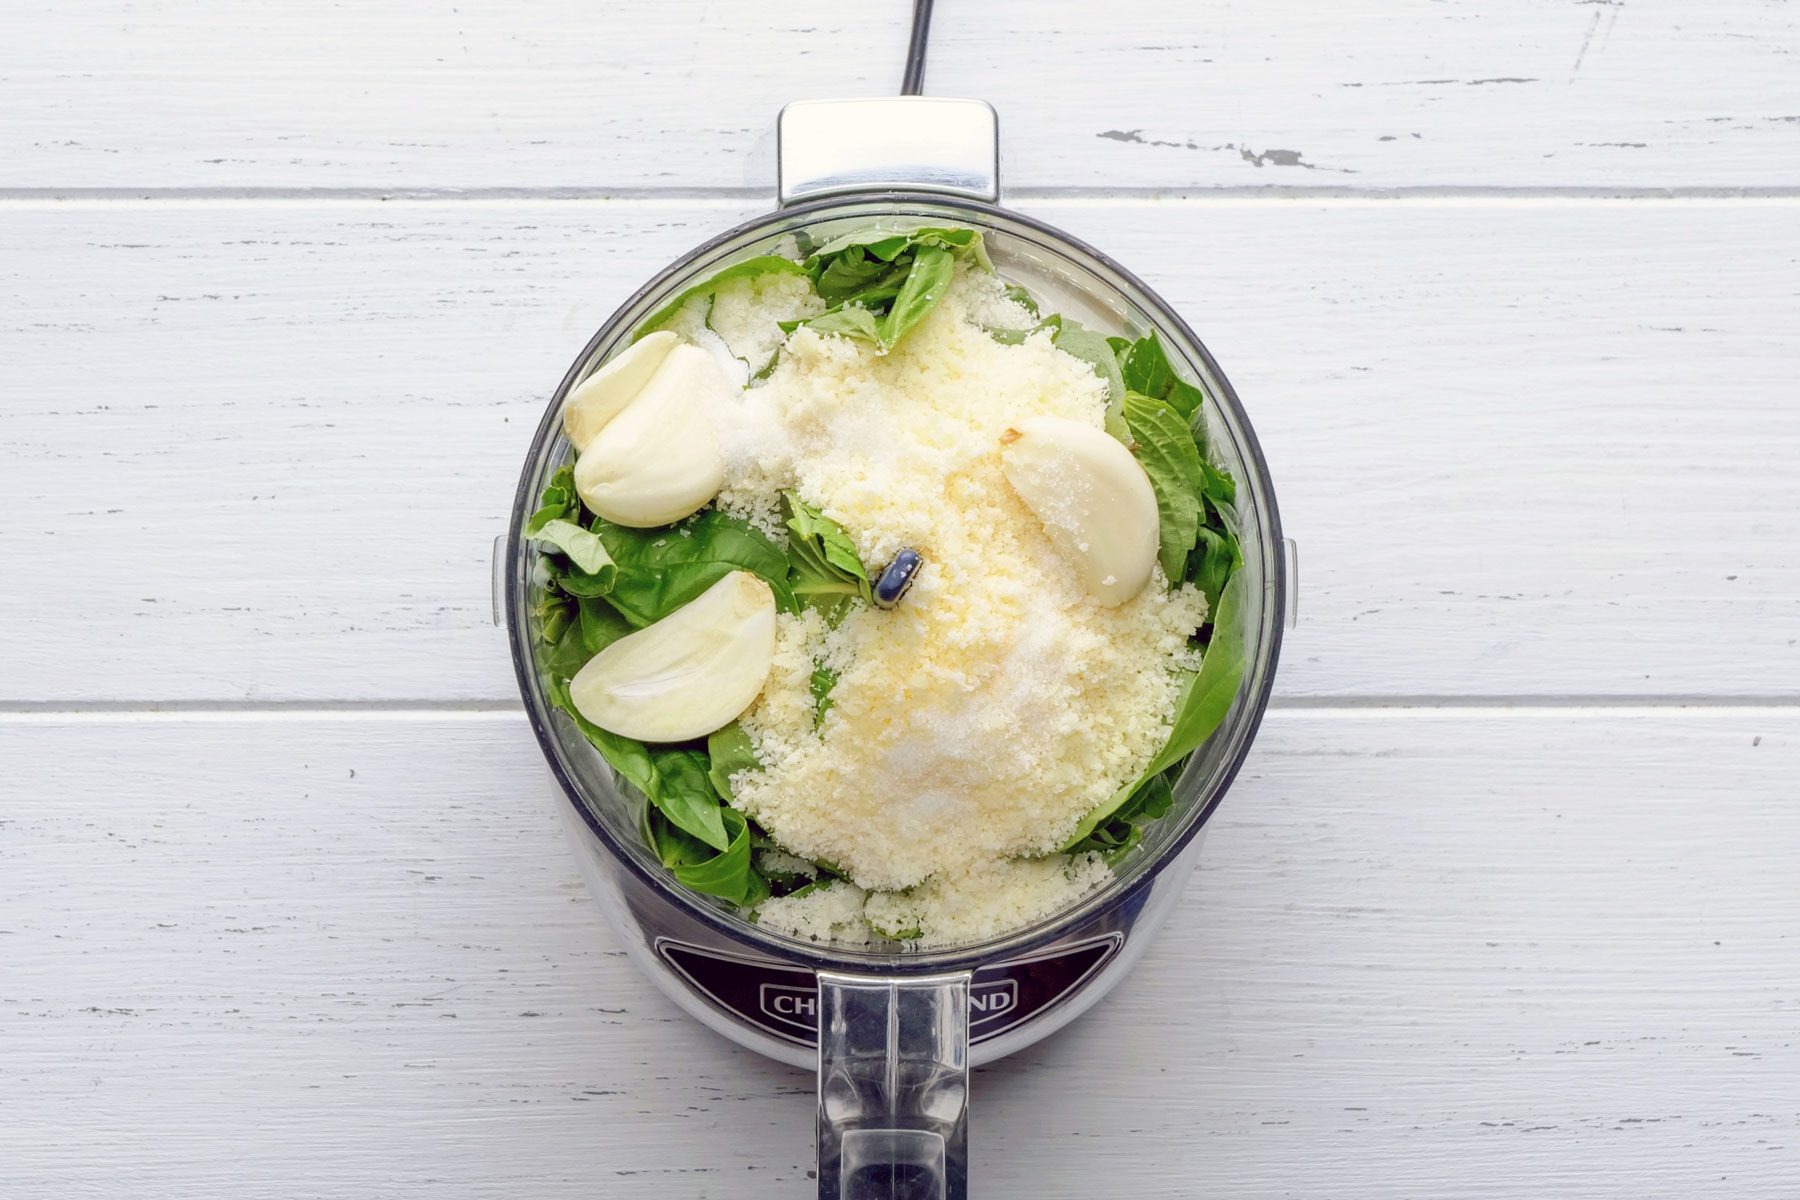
{"x":913,"y":82}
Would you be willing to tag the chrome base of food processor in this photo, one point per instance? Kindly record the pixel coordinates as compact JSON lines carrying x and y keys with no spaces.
{"x":771,"y":1005}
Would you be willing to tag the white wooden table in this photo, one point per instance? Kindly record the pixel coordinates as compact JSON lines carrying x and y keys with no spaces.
{"x":1507,"y":901}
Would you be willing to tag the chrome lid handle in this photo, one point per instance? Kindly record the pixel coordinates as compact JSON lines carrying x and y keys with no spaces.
{"x":908,"y":143}
{"x":893,"y":1087}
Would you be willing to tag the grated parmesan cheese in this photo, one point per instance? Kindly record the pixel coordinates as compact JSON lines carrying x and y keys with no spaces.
{"x":739,"y":324}
{"x":833,"y":913}
{"x":975,"y":725}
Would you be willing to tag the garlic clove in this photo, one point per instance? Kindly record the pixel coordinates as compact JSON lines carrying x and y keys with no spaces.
{"x":659,"y":459}
{"x":692,"y":672}
{"x":1092,"y":498}
{"x":603,"y":395}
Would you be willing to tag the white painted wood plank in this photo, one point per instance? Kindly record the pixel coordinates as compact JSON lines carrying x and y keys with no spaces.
{"x":257,"y":451}
{"x":483,"y":93}
{"x":1427,"y":954}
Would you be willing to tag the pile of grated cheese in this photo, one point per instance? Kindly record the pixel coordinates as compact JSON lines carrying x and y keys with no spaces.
{"x":971,"y":728}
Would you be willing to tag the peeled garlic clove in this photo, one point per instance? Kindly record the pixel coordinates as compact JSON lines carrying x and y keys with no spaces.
{"x":1092,"y":498}
{"x":692,"y":672}
{"x":603,"y":395}
{"x":659,"y":459}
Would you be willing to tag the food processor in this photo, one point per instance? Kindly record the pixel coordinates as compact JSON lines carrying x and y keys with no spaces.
{"x":894,"y":1030}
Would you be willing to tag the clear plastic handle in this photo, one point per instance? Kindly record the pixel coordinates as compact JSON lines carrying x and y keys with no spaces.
{"x":893,"y":1087}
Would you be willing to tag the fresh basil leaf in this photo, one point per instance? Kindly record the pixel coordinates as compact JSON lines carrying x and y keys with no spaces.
{"x":887,"y":244}
{"x":559,"y":500}
{"x":1076,"y":339}
{"x":1019,"y":296}
{"x":881,"y":283}
{"x":767,"y":264}
{"x":601,"y":624}
{"x":1148,"y":370}
{"x":1220,"y":488}
{"x":812,"y":526}
{"x":824,"y":572}
{"x":554,"y":615}
{"x":865,"y":283}
{"x":1205,"y":698}
{"x":585,"y":549}
{"x":932,"y":270}
{"x":1116,"y":838}
{"x":768,"y":368}
{"x":851,"y":320}
{"x":729,"y":751}
{"x":819,"y":884}
{"x":756,"y":889}
{"x":1172,"y":461}
{"x":629,"y":757}
{"x":1013,"y":337}
{"x":577,"y":582}
{"x":569,"y":654}
{"x":673,"y":846}
{"x":1212,"y":561}
{"x":823,"y":680}
{"x":556,"y":511}
{"x":785,"y":882}
{"x":685,"y":795}
{"x":661,"y":570}
{"x":728,"y":874}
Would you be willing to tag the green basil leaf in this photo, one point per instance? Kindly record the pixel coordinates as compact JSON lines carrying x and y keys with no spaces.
{"x":569,"y":653}
{"x":1221,"y":488}
{"x":1205,"y":698}
{"x":661,"y":570}
{"x":851,"y":320}
{"x":1212,"y":561}
{"x":815,"y":528}
{"x":824,"y":572}
{"x":894,"y":276}
{"x":767,"y":264}
{"x":849,"y":274}
{"x":728,"y":874}
{"x":1019,"y":296}
{"x":1076,"y":339}
{"x":559,"y":500}
{"x":553,"y":510}
{"x":685,"y":795}
{"x":554,"y":615}
{"x":578,"y":583}
{"x":886,"y":244}
{"x":1012,"y":337}
{"x":823,"y":680}
{"x":932,"y":270}
{"x":729,"y":751}
{"x":585,"y":549}
{"x":601,"y":624}
{"x":1125,"y":828}
{"x":1172,"y":461}
{"x":1208,"y":696}
{"x":629,"y":757}
{"x":1148,"y":370}
{"x":672,"y":846}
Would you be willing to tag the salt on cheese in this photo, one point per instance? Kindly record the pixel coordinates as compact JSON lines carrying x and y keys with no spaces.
{"x":972,"y":727}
